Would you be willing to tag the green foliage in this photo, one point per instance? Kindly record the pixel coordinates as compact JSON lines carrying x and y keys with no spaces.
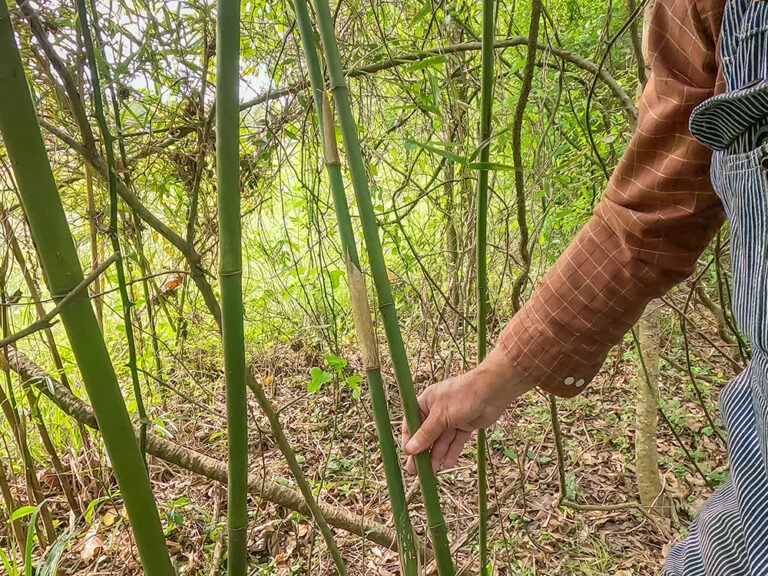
{"x":335,"y":369}
{"x":174,"y":516}
{"x":9,"y":564}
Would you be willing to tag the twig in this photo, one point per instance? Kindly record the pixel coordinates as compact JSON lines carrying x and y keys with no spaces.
{"x":45,"y":322}
{"x":738,"y":367}
{"x":570,"y":57}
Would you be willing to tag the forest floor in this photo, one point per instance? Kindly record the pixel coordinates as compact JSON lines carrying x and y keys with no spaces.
{"x":334,"y":435}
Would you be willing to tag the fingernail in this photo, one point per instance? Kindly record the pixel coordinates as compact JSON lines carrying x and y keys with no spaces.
{"x":410,"y":448}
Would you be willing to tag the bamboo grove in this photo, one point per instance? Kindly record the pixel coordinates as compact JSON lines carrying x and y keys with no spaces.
{"x":242,"y":237}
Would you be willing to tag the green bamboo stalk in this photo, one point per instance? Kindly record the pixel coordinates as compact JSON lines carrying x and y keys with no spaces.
{"x":91,"y":215}
{"x":304,"y":487}
{"x":60,"y":262}
{"x":61,"y":474}
{"x":361,"y":312}
{"x":231,"y":278}
{"x":9,"y":502}
{"x":298,"y":474}
{"x":136,"y":220}
{"x":144,"y":269}
{"x":19,"y":432}
{"x":486,"y":101}
{"x":109,"y":152}
{"x":34,"y":294}
{"x":435,"y":519}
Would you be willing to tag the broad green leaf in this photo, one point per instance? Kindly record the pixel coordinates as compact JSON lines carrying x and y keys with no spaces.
{"x":335,"y":362}
{"x":425,"y":9}
{"x":22,"y":512}
{"x":319,"y":377}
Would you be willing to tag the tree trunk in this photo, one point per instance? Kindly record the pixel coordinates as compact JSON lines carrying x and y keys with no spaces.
{"x":646,"y":452}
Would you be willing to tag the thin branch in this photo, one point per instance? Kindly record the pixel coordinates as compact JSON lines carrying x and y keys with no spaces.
{"x":517,"y":127}
{"x":45,"y":321}
{"x":571,"y":57}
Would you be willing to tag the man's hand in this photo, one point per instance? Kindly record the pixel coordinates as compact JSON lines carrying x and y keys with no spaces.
{"x":451,"y":410}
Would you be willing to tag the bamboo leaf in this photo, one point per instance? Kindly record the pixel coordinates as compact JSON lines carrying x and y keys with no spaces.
{"x":430,"y":62}
{"x":10,"y":569}
{"x":436,"y":149}
{"x":22,"y":512}
{"x":425,"y":9}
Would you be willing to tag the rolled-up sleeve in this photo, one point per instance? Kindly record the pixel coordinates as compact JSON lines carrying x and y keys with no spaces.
{"x":657,"y":215}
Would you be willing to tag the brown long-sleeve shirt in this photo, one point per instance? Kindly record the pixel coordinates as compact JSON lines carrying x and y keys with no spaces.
{"x":658,"y":214}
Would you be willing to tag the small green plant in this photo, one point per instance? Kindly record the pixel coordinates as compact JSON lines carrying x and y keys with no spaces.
{"x":174,"y":516}
{"x":9,"y":563}
{"x":53,"y":555}
{"x":335,"y":367}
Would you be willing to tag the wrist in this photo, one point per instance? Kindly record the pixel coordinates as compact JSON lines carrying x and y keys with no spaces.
{"x":498,"y":377}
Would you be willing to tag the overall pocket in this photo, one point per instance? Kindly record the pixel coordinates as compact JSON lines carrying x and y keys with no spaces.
{"x":744,"y":188}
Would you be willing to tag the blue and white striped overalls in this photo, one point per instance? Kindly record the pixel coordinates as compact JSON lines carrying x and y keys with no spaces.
{"x":730,"y":534}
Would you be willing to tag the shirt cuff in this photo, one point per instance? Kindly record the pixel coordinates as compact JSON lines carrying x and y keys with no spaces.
{"x":543,"y":359}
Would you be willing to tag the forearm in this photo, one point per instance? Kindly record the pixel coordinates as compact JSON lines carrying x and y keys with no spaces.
{"x":589,"y":299}
{"x":658,"y":214}
{"x":498,"y":376}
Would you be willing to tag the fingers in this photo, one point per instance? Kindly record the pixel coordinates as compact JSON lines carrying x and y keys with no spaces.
{"x":426,"y":435}
{"x":441,"y":448}
{"x":424,"y":404}
{"x":430,"y":429}
{"x":404,"y":434}
{"x":445,"y":452}
{"x":454,"y":451}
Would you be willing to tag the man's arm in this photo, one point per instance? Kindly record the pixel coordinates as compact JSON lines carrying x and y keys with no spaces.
{"x":658,"y":214}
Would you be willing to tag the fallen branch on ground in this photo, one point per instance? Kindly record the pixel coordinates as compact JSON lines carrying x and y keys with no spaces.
{"x":196,"y":462}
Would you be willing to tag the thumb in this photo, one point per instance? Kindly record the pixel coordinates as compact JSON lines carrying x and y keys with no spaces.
{"x":426,"y":435}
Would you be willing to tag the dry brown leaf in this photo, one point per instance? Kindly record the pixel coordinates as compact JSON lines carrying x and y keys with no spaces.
{"x":376,"y":569}
{"x":92,"y":546}
{"x":108,"y":519}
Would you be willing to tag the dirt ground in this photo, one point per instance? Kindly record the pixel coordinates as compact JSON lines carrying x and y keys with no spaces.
{"x":599,"y":530}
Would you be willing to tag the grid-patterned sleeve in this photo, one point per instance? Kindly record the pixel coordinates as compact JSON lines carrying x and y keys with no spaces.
{"x":657,"y":215}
